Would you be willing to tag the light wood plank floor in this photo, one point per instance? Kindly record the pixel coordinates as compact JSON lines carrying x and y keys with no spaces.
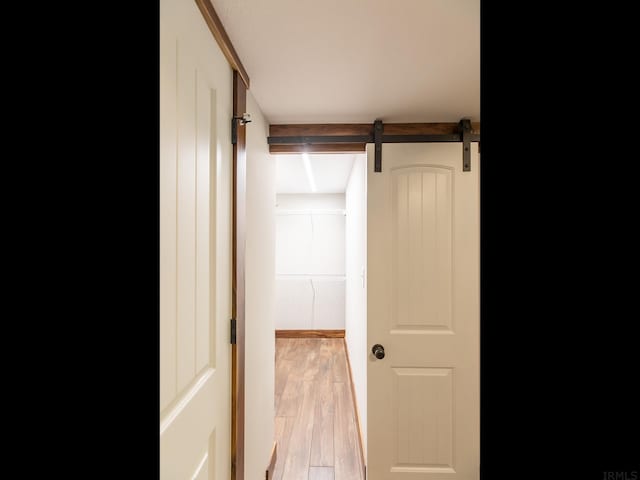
{"x":315,"y":421}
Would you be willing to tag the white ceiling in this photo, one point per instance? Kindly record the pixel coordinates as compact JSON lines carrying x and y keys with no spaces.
{"x":330,"y":173}
{"x":332,"y":61}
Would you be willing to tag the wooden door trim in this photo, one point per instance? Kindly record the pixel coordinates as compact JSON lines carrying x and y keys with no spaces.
{"x":220,"y":34}
{"x":237,"y":281}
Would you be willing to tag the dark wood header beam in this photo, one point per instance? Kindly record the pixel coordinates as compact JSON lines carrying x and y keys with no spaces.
{"x":427,"y":128}
{"x":353,"y":137}
{"x":349,"y":129}
{"x":315,"y":129}
{"x":319,"y":148}
{"x":220,"y":34}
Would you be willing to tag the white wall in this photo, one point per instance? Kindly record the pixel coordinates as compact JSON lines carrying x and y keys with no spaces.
{"x":260,"y":296}
{"x":310,"y":261}
{"x":356,"y":289}
{"x":315,"y":201}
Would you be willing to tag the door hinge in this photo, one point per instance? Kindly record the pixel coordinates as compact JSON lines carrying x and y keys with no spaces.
{"x":233,"y":331}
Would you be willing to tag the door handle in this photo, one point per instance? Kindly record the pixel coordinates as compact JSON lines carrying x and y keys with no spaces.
{"x":378,"y":351}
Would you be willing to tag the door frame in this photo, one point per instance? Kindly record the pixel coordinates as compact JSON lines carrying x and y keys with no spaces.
{"x":237,"y":281}
{"x":338,"y":138}
{"x":241,"y":83}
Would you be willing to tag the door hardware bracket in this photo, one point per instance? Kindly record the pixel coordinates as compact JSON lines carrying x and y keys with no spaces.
{"x":465,"y":130}
{"x":244,"y":119}
{"x":465,"y":135}
{"x":377,"y":139}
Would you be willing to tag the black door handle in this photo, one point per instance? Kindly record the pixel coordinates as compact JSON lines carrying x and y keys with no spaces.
{"x":378,"y":351}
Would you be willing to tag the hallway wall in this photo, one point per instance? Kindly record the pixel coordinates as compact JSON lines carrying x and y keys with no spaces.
{"x":310,"y":262}
{"x":356,"y":287}
{"x":260,"y":295}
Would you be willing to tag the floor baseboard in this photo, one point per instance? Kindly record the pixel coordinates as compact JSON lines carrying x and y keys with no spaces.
{"x":309,"y":333}
{"x":272,"y":461}
{"x":355,"y":408}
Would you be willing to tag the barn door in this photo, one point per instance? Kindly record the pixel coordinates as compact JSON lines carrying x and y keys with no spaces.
{"x":423,"y":311}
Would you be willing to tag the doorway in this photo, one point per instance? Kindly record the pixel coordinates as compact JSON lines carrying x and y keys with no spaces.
{"x":320,"y":361}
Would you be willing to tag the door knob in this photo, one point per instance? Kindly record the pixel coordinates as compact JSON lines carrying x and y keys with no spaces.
{"x":378,"y":351}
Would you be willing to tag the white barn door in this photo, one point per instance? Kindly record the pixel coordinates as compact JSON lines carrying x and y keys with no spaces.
{"x":195,"y":216}
{"x":423,"y":308}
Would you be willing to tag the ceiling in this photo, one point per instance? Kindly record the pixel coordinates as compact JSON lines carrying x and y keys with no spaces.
{"x":355,"y":61}
{"x":330,"y":173}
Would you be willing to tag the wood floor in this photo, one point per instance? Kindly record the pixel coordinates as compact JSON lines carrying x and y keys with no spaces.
{"x":315,"y":425}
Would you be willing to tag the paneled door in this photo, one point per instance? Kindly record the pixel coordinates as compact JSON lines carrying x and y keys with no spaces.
{"x":423,"y":310}
{"x":195,"y":215}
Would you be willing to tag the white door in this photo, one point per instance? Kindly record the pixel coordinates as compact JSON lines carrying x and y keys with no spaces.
{"x":195,"y":181}
{"x":423,"y":308}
